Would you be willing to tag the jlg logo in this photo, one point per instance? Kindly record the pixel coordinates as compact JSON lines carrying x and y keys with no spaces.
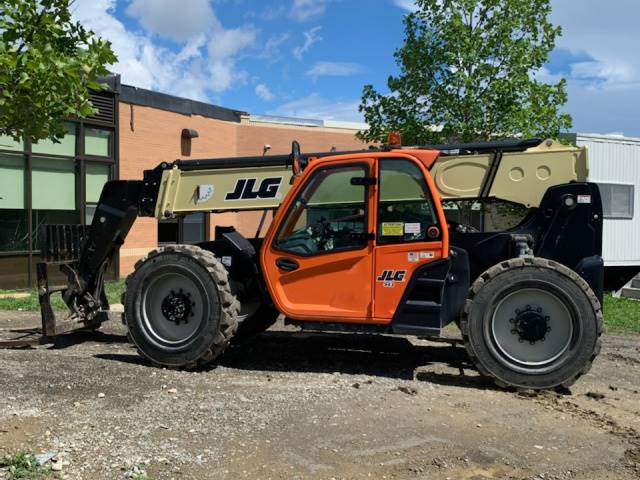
{"x":245,"y":189}
{"x":390,"y":277}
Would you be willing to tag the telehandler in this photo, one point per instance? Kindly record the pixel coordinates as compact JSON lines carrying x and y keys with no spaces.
{"x":359,"y":242}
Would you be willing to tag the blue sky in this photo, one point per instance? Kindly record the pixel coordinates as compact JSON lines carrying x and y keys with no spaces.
{"x":310,"y":58}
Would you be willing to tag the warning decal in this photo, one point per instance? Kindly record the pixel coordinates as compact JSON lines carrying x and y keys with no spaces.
{"x":393,"y":229}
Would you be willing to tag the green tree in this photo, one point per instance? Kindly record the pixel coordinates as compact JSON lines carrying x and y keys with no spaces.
{"x":468,"y":72}
{"x":48,"y":65}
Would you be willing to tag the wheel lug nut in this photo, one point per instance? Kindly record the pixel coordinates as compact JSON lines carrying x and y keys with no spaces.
{"x":514,"y":331}
{"x":528,"y":307}
{"x":539,"y":310}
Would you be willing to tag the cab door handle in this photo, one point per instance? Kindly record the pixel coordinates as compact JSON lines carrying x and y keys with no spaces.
{"x":287,"y":264}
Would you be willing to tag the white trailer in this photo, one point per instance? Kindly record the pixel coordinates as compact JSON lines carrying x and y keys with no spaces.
{"x":614,"y":163}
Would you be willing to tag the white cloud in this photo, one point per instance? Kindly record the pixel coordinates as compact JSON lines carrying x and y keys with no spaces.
{"x":409,"y":5}
{"x":223,"y":48}
{"x":333,"y":69}
{"x":303,"y":10}
{"x":264,"y":92}
{"x":315,"y":106}
{"x":207,"y":61}
{"x":271,"y":50}
{"x":311,"y":37}
{"x":174,"y":19}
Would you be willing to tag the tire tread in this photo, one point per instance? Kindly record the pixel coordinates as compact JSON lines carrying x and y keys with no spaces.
{"x":230,"y":307}
{"x":543,"y":264}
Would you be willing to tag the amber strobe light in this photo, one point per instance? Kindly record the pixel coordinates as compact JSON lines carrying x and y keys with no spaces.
{"x":394,"y":139}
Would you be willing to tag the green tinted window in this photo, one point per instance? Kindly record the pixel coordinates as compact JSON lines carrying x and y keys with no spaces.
{"x":12,"y":178}
{"x":97,"y":142}
{"x":8,"y":143}
{"x":96,"y":176}
{"x":53,"y":184}
{"x":65,"y":146}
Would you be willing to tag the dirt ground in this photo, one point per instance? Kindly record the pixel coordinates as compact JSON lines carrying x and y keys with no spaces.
{"x":296,"y":405}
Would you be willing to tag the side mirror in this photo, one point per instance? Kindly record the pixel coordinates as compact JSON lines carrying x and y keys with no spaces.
{"x":298,"y":164}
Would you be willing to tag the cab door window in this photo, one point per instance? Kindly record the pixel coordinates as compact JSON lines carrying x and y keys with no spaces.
{"x":328,"y":215}
{"x":405,"y":207}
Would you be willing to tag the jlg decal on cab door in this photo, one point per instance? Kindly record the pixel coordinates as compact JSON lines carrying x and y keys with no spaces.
{"x":390,"y":277}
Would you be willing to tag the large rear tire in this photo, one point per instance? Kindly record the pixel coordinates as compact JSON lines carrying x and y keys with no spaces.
{"x":179,"y":308}
{"x":532,"y":323}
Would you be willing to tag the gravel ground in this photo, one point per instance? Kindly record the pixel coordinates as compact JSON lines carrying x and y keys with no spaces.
{"x":297,"y":405}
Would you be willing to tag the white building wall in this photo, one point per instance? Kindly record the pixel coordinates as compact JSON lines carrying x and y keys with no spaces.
{"x":615,"y":159}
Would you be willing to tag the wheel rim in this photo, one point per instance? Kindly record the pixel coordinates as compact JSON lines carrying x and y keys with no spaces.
{"x":174,"y":307}
{"x":531,"y":327}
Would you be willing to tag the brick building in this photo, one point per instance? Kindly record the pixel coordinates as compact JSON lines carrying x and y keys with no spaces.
{"x":135,"y":129}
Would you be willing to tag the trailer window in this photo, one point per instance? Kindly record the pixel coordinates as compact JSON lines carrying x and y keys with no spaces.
{"x":617,"y":200}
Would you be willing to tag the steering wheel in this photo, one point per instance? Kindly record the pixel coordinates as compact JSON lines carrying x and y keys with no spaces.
{"x":322,"y":232}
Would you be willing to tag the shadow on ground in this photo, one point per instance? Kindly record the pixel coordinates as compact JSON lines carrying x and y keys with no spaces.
{"x":355,"y":354}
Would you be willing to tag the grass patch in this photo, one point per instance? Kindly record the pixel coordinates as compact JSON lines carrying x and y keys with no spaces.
{"x":621,"y":315}
{"x":23,"y":465}
{"x":113,"y":289}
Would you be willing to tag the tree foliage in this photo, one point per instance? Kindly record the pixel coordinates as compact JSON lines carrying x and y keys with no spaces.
{"x":48,"y":65}
{"x":468,"y":72}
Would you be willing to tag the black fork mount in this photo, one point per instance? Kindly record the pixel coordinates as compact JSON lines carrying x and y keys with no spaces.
{"x":83,"y":253}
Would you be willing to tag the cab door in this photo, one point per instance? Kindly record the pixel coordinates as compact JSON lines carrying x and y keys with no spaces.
{"x":318,"y":255}
{"x":411,"y":235}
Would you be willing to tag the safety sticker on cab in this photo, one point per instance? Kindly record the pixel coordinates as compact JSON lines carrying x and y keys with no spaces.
{"x":392,"y":229}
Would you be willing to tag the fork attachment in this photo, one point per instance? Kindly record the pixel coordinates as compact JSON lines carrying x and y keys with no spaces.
{"x":82,"y":254}
{"x":62,"y":247}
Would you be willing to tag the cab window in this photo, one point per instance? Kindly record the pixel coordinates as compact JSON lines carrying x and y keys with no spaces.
{"x":405,"y":207}
{"x":328,"y":215}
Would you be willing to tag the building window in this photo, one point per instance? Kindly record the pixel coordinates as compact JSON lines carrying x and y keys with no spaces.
{"x":41,"y":182}
{"x":97,"y":142}
{"x":65,"y":146}
{"x":8,"y":143}
{"x":53,"y":183}
{"x":193,"y":228}
{"x":12,"y":181}
{"x":189,"y":229}
{"x":14,"y":231}
{"x":96,"y":175}
{"x":53,"y":194}
{"x":617,"y":200}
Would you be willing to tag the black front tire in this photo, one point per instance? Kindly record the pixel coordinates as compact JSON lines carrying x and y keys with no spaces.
{"x":566,"y":290}
{"x":210,"y":320}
